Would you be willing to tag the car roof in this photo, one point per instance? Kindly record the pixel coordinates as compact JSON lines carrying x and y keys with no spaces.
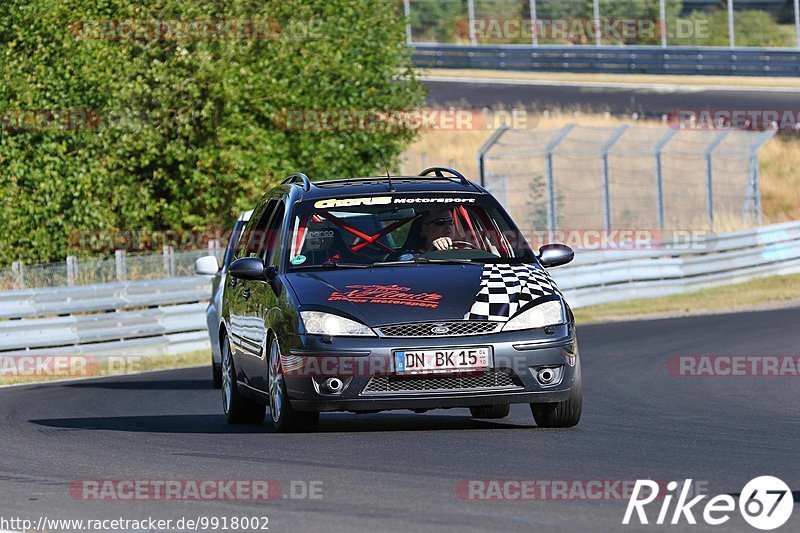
{"x":381,"y":185}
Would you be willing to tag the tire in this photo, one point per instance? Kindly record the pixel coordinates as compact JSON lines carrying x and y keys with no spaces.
{"x":490,"y":411}
{"x":237,"y":408}
{"x":216,"y":375}
{"x":564,"y":414}
{"x":284,"y":418}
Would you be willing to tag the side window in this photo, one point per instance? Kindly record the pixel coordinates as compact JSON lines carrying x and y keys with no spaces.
{"x":233,"y":243}
{"x":273,"y":234}
{"x":253,"y":239}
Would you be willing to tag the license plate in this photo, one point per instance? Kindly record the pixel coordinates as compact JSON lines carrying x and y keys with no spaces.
{"x":442,"y":360}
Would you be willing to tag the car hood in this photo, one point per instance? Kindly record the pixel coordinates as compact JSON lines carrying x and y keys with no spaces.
{"x":413,"y":293}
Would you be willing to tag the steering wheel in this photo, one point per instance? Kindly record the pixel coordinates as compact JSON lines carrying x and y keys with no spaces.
{"x":462,"y":245}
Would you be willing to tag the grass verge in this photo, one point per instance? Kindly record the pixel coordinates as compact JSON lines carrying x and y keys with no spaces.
{"x":755,"y":294}
{"x":652,"y":79}
{"x":18,"y":370}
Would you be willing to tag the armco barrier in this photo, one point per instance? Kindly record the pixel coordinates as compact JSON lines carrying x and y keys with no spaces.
{"x":612,"y":59}
{"x":168,"y":316}
{"x":125,"y":318}
{"x":615,"y":275}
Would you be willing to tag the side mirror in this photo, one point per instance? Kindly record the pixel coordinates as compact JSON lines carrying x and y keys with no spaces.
{"x":553,"y":255}
{"x":251,"y":268}
{"x":206,"y":266}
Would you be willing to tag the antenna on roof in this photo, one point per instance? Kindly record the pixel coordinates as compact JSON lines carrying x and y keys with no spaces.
{"x":386,"y":166}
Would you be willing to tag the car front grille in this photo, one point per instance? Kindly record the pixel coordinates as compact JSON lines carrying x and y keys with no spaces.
{"x":485,"y":381}
{"x":426,"y":329}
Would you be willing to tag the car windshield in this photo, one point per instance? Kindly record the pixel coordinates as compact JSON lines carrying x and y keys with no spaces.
{"x":403,"y":228}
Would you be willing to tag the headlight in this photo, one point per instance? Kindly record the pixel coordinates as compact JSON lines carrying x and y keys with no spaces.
{"x":319,"y":323}
{"x":546,"y":314}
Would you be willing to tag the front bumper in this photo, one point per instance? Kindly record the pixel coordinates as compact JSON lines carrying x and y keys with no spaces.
{"x":357,"y":361}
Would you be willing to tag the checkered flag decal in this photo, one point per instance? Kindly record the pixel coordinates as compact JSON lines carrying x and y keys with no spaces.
{"x":507,"y":288}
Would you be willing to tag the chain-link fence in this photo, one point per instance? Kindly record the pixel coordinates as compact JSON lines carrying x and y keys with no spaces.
{"x":582,"y":177}
{"x":90,"y":270}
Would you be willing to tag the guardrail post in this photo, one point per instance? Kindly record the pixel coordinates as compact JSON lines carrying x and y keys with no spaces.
{"x":18,"y":268}
{"x":605,"y":178}
{"x":485,"y":148}
{"x":710,"y":175}
{"x":119,"y":263}
{"x":659,"y":149}
{"x":169,"y":261}
{"x":72,"y":270}
{"x":552,"y":208}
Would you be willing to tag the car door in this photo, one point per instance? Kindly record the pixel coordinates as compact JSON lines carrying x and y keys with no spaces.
{"x":263,"y":298}
{"x":238,"y":291}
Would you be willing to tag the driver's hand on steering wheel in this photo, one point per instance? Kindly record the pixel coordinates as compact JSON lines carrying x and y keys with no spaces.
{"x":442,"y":243}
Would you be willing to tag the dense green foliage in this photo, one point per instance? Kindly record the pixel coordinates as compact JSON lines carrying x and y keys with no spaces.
{"x":182,"y":131}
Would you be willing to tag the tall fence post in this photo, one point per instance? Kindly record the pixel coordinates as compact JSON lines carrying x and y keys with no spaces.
{"x":710,"y":175}
{"x":731,"y":27}
{"x":72,"y":270}
{"x":662,"y":13}
{"x":598,"y":39}
{"x":552,"y":208}
{"x":659,"y":150}
{"x":534,"y":24}
{"x":407,"y":11}
{"x":605,"y":178}
{"x":18,"y":268}
{"x":754,"y":185}
{"x":471,"y":15}
{"x":119,"y":263}
{"x":482,"y":151}
{"x":797,"y":21}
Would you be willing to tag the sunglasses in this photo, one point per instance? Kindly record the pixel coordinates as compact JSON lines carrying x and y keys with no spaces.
{"x":441,"y":221}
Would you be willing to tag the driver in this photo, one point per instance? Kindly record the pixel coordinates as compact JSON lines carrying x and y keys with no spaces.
{"x":438,"y":230}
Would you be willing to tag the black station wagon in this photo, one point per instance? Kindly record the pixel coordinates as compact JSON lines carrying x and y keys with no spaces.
{"x":408,"y":292}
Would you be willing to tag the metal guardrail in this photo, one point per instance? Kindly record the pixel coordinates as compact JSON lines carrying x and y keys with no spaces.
{"x":615,"y":275}
{"x":124,"y":318}
{"x":168,"y":316}
{"x":612,"y":59}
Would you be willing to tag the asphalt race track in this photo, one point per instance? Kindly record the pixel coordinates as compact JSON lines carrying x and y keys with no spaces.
{"x":398,"y":471}
{"x":652,"y":101}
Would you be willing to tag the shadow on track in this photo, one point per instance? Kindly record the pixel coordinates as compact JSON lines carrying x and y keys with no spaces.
{"x":329,"y":423}
{"x":171,"y":384}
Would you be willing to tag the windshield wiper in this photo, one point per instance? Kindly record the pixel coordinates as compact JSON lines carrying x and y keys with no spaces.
{"x":422,"y":261}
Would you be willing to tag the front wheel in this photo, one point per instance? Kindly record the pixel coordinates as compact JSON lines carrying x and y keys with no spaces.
{"x":238,"y":409}
{"x":564,"y":414}
{"x":284,"y":418}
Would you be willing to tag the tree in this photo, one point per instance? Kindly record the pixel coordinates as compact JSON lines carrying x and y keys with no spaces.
{"x":183,"y":130}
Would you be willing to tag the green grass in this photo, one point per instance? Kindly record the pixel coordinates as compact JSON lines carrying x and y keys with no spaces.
{"x":115,"y":366}
{"x":738,"y":297}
